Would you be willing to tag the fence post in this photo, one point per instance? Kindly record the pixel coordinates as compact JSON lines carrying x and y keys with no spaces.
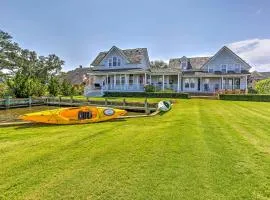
{"x":124,"y":102}
{"x":7,"y":102}
{"x":30,"y":101}
{"x":106,"y":101}
{"x":146,"y":106}
{"x":71,"y":99}
{"x":59,"y":101}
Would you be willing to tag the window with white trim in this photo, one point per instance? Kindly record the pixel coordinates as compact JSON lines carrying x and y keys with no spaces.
{"x":230,"y":67}
{"x":210,"y":69}
{"x":114,"y":61}
{"x":192,"y":83}
{"x":118,"y":62}
{"x":224,"y":68}
{"x":110,"y":62}
{"x":237,"y":68}
{"x":186,"y":83}
{"x":184,"y":65}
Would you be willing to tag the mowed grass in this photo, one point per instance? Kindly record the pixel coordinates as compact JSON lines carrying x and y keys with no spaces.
{"x":201,"y":149}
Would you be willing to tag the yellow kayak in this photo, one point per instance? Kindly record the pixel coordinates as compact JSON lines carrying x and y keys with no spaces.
{"x":74,"y":115}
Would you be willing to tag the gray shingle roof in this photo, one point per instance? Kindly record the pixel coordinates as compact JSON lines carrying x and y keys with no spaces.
{"x":133,"y":55}
{"x":194,"y":63}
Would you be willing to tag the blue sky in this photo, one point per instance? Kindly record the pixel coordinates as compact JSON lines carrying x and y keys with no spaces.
{"x":76,"y":30}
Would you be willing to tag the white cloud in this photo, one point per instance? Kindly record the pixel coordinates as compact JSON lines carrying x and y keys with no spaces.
{"x":255,"y":51}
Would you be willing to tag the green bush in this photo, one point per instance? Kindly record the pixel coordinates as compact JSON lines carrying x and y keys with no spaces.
{"x":22,"y":86}
{"x":242,"y":97}
{"x":252,"y":91}
{"x":147,"y":94}
{"x":4,"y":90}
{"x":149,"y":88}
{"x":54,"y":87}
{"x":263,"y":86}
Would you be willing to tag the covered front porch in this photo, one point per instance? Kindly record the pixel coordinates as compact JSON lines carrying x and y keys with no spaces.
{"x":214,"y":83}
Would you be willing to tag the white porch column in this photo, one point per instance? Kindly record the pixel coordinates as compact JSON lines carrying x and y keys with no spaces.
{"x":222,"y":82}
{"x":107,"y":82}
{"x":114,"y":80}
{"x":126,"y":82}
{"x":145,"y":78}
{"x":150,"y":79}
{"x":137,"y":81}
{"x":178,"y":82}
{"x":163,"y":82}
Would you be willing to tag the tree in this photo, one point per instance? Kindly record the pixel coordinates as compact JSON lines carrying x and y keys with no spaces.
{"x":15,"y":59}
{"x":66,"y":89}
{"x":158,"y":64}
{"x":54,"y":87}
{"x":263,"y":86}
{"x":22,"y":86}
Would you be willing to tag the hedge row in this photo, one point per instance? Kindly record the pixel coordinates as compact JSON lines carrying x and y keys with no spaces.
{"x":147,"y":94}
{"x":248,"y":97}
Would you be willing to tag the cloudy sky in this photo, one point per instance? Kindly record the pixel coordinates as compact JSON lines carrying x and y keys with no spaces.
{"x":76,"y":30}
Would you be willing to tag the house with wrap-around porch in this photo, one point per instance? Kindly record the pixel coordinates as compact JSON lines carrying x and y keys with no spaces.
{"x":129,"y":70}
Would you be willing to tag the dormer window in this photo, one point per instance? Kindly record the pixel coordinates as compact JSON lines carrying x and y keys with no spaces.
{"x":114,"y":62}
{"x":110,"y":62}
{"x":184,"y":65}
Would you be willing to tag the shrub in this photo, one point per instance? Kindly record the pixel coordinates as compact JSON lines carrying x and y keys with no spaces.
{"x":263,"y":86}
{"x":149,"y":88}
{"x":248,"y":97}
{"x":54,"y":86}
{"x":4,"y":90}
{"x":252,"y":91}
{"x":22,"y":86}
{"x":147,"y":94}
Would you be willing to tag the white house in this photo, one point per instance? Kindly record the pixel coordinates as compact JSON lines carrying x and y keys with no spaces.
{"x":130,"y":70}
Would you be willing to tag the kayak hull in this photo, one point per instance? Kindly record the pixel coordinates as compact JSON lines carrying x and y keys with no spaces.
{"x":74,"y":115}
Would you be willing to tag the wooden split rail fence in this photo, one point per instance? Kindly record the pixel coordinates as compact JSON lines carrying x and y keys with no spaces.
{"x":66,"y":102}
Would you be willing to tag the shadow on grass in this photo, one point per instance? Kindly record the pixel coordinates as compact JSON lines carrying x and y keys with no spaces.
{"x":38,"y":125}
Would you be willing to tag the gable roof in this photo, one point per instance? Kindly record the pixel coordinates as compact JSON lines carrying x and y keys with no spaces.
{"x":225,"y":48}
{"x":260,"y":75}
{"x":132,"y":55}
{"x":194,"y":63}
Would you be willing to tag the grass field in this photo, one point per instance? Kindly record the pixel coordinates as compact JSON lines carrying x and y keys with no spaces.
{"x":201,"y":149}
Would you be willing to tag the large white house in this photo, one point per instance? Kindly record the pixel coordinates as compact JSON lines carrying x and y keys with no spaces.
{"x":130,"y":70}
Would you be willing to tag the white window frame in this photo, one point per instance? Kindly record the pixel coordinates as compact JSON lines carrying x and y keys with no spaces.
{"x":225,"y":68}
{"x":114,"y":61}
{"x":212,"y":69}
{"x":184,"y":65}
{"x":239,"y":67}
{"x":192,"y":81}
{"x":187,"y":81}
{"x":110,"y":62}
{"x":118,"y":62}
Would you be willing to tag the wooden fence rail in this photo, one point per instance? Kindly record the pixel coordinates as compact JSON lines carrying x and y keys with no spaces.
{"x":60,"y":101}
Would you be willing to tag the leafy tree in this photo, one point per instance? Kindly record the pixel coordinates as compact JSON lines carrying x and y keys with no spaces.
{"x":158,"y":64}
{"x":66,"y":89}
{"x":54,"y":86}
{"x":15,"y":59}
{"x":23,"y":86}
{"x":4,"y":91}
{"x":263,"y":86}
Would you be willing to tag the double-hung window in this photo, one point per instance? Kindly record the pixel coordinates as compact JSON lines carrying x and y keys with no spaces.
{"x":224,"y":68}
{"x":237,"y":68}
{"x":187,"y":83}
{"x":210,"y":69}
{"x":114,"y":61}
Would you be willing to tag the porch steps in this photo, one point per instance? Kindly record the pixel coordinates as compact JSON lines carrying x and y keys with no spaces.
{"x":204,"y":97}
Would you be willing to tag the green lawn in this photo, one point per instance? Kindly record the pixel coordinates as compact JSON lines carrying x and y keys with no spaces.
{"x":201,"y":149}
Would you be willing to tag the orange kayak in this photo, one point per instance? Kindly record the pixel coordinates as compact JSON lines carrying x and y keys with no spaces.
{"x":74,"y":115}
